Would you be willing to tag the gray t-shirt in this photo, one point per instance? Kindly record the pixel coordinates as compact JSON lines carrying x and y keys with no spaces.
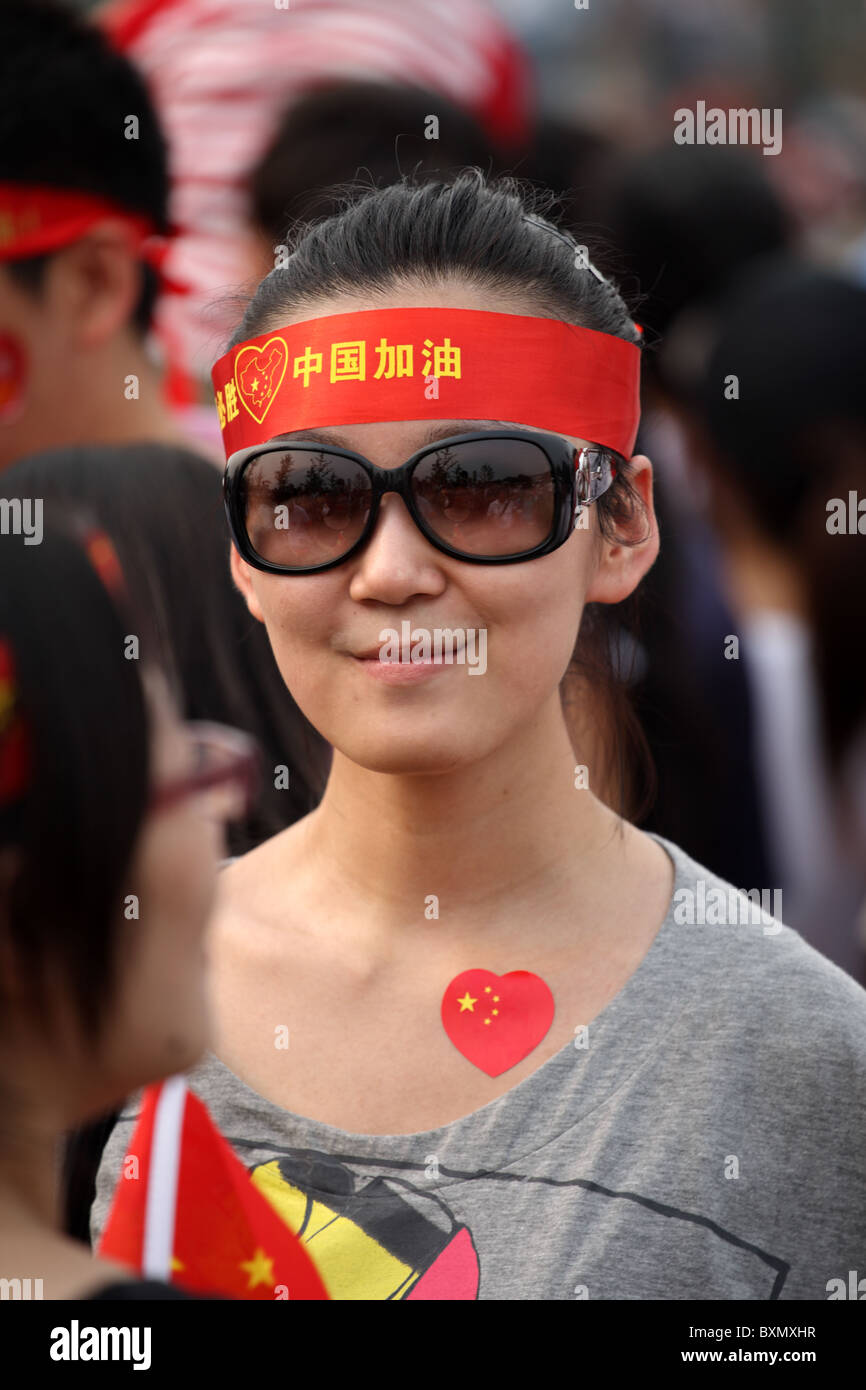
{"x":702,"y":1138}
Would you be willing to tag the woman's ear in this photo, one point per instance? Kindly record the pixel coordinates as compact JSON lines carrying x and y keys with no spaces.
{"x":95,"y":284}
{"x":243,"y":576}
{"x":621,"y":567}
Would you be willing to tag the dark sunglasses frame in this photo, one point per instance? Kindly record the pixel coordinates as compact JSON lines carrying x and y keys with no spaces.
{"x":580,"y":476}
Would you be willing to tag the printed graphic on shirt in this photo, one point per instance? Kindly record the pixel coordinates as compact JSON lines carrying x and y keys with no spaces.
{"x":375,"y":1239}
{"x":385,"y":1238}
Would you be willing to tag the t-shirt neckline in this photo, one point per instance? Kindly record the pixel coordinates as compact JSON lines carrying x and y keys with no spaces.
{"x":620,"y":1039}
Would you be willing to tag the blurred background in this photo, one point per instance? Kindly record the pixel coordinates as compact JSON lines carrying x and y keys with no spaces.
{"x":746,"y":269}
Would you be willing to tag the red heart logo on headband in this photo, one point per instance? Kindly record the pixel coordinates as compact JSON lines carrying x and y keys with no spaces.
{"x":260,"y":377}
{"x":497,"y":1020}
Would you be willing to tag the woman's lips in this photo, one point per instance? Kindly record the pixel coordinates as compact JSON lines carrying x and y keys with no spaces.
{"x":399,"y":672}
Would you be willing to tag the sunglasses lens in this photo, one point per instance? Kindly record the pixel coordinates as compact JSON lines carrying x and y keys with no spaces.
{"x":487,"y":497}
{"x":303,"y":508}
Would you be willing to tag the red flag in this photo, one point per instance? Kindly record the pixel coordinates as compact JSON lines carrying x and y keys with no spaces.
{"x":186,"y":1211}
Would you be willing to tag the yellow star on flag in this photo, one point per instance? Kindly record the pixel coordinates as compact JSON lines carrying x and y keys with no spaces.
{"x":260,"y":1269}
{"x":467,"y":1002}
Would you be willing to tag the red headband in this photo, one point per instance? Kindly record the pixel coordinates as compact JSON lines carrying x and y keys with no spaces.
{"x":35,"y":220}
{"x":377,"y":364}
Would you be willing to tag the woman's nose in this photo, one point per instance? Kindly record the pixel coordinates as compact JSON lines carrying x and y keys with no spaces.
{"x":397,"y":559}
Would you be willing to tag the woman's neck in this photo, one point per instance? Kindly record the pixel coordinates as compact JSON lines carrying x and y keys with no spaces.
{"x":497,"y":834}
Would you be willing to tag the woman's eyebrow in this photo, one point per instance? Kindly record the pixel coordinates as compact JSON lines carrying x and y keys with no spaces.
{"x":435,"y":432}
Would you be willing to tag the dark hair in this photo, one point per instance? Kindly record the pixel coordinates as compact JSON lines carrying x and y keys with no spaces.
{"x":578,"y":163}
{"x":495,"y":235}
{"x":332,"y":133}
{"x":65,"y":94}
{"x":162,"y":507}
{"x":795,"y":437}
{"x":685,"y":219}
{"x":74,"y":830}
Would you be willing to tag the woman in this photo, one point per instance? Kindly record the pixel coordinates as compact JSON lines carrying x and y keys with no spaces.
{"x":110,"y":815}
{"x":477,"y":1036}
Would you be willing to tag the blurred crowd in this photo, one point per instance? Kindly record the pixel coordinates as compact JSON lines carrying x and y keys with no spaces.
{"x":746,"y":270}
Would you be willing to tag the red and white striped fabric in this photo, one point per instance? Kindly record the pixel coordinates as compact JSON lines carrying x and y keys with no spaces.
{"x":223,"y":71}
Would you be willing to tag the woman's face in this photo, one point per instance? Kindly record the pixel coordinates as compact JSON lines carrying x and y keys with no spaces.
{"x":320,"y":625}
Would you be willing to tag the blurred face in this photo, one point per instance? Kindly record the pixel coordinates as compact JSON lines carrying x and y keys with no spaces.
{"x":327,"y":629}
{"x":53,"y":341}
{"x":160,"y":1023}
{"x":31,"y":369}
{"x":158,"y":1020}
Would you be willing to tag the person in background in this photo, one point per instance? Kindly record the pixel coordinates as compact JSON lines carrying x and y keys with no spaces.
{"x":103,"y":793}
{"x":778,"y":434}
{"x":347,"y":130}
{"x":162,"y":508}
{"x":84,"y":230}
{"x":246,"y":63}
{"x":684,"y":220}
{"x":821,"y":178}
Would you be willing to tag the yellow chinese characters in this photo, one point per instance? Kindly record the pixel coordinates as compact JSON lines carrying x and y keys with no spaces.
{"x":348,"y":361}
{"x":227,"y":408}
{"x":394,"y":360}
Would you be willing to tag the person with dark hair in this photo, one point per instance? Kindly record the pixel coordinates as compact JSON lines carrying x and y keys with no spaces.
{"x":777,"y":416}
{"x":477,"y":1035}
{"x":336,"y":132}
{"x":84,"y":230}
{"x":161,"y":508}
{"x":108,"y":805}
{"x":250,"y":62}
{"x":685,"y":220}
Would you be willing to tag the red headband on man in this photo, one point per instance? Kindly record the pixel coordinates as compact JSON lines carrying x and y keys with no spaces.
{"x":429,"y":364}
{"x":35,"y":220}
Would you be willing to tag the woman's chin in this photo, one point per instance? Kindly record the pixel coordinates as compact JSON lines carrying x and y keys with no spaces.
{"x":412,"y":757}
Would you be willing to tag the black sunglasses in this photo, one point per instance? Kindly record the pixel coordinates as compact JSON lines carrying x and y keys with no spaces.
{"x":493,"y":498}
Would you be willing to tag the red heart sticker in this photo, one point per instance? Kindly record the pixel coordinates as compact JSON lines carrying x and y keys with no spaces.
{"x":496,"y":1020}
